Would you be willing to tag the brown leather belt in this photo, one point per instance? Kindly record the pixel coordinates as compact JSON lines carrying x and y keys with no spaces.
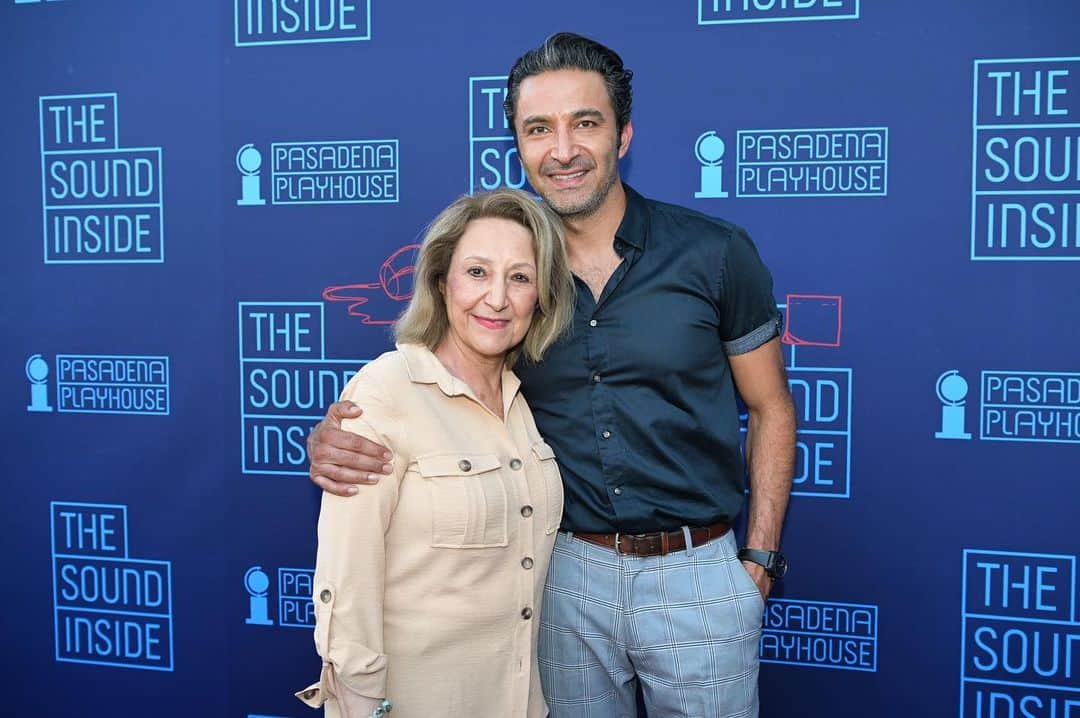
{"x":656,"y":543}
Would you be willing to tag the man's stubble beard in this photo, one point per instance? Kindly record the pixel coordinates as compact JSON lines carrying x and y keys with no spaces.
{"x":591,"y":204}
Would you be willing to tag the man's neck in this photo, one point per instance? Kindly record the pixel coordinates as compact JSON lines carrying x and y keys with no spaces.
{"x":587,"y":235}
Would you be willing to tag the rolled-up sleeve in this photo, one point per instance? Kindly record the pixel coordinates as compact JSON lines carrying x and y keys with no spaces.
{"x":350,"y":574}
{"x":748,"y":316}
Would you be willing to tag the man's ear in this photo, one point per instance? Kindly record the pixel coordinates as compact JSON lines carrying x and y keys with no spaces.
{"x":624,"y":138}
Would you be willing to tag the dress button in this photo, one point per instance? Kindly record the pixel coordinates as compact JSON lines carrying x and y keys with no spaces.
{"x":465,"y":465}
{"x":526,"y":563}
{"x":325,"y":595}
{"x":605,"y":434}
{"x":526,"y":511}
{"x":526,"y":613}
{"x":592,"y":322}
{"x":515,"y":464}
{"x":617,"y":491}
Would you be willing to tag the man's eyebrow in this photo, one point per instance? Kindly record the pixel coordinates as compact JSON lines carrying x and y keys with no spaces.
{"x":590,"y":112}
{"x":534,"y":119}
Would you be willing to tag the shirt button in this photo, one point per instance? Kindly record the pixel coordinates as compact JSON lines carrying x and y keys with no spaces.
{"x":596,"y":378}
{"x":526,"y":511}
{"x":605,"y":434}
{"x":325,"y":595}
{"x":526,"y":613}
{"x":465,"y":465}
{"x":617,"y":491}
{"x":592,"y":322}
{"x":526,"y":563}
{"x":515,"y":464}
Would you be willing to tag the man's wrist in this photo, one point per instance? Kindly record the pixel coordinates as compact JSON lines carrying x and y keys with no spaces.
{"x":773,"y":562}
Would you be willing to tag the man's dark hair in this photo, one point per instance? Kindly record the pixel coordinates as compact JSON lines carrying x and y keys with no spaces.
{"x":568,"y":51}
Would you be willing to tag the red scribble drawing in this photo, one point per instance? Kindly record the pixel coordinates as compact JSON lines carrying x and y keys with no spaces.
{"x":813,"y":320}
{"x":395,"y":283}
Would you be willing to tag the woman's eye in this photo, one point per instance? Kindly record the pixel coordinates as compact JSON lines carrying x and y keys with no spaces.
{"x":475,"y":271}
{"x":521,"y":278}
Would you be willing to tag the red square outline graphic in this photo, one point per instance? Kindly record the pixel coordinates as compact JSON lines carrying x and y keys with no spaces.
{"x":790,"y":338}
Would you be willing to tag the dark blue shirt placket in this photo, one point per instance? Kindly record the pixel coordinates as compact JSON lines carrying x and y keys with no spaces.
{"x":610,"y":445}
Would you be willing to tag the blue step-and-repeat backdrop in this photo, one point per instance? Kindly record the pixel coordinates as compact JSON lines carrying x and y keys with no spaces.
{"x":211,"y":208}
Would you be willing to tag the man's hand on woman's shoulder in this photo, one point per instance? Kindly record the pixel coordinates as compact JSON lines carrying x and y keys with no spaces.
{"x":341,"y":459}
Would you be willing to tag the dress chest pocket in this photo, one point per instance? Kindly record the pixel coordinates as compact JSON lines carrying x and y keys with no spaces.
{"x":468,"y":500}
{"x":553,"y":488}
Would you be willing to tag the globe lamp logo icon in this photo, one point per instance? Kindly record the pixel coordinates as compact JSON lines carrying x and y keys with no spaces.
{"x":952,"y":390}
{"x":249,"y":162}
{"x":37,"y":371}
{"x":709,"y":150}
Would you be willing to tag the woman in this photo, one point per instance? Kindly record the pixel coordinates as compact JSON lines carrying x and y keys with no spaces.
{"x":428,"y":586}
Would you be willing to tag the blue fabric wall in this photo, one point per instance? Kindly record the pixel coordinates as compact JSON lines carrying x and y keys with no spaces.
{"x":209,"y":209}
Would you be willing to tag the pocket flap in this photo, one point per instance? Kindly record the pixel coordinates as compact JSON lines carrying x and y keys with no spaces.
{"x":456,"y":464}
{"x":543,"y":451}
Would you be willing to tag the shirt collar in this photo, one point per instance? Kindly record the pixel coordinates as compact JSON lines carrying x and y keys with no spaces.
{"x":425,"y":368}
{"x":634,"y":228}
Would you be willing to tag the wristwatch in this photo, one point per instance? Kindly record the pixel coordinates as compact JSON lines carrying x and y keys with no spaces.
{"x":774,"y":562}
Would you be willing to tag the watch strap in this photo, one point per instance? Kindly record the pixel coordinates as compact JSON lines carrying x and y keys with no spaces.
{"x":772,"y":561}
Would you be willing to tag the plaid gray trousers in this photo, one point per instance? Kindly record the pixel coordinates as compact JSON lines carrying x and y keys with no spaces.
{"x":685,"y":625}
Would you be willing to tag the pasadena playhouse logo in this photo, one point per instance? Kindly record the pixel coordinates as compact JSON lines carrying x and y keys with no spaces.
{"x":725,"y":12}
{"x":321,"y":172}
{"x":109,"y":609}
{"x":295,"y":608}
{"x":824,"y":634}
{"x":807,"y":162}
{"x":1022,"y":406}
{"x":822,"y":398}
{"x":101,"y":203}
{"x":1025,"y":187}
{"x":1020,"y":645}
{"x":100,"y":384}
{"x":293,"y":22}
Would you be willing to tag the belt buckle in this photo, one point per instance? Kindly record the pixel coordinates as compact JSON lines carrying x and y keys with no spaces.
{"x":633,"y":543}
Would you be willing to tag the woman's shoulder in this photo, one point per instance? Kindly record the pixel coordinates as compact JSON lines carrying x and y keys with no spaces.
{"x":377,"y":378}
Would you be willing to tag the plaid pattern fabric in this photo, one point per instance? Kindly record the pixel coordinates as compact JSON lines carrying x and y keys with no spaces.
{"x":685,"y":625}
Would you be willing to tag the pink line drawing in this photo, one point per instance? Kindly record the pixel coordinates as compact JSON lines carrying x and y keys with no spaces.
{"x":813,"y":320}
{"x":395,"y":283}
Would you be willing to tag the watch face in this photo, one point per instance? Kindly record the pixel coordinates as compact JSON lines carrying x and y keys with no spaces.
{"x":779,"y":566}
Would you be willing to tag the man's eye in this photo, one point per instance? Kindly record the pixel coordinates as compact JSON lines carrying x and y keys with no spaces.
{"x":537,"y":130}
{"x":588,"y":124}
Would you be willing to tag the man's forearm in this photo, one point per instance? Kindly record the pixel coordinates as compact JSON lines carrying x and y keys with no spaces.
{"x":770,"y":454}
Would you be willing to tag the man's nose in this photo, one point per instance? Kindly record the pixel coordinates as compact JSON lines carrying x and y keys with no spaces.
{"x":564,"y":150}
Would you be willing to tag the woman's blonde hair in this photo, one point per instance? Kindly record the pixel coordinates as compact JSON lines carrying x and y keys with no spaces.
{"x":425,"y":321}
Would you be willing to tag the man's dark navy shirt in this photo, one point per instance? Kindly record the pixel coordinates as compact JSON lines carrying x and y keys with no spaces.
{"x":638,"y":399}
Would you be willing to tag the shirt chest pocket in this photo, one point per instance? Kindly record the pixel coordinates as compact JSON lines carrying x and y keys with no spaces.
{"x":468,"y":500}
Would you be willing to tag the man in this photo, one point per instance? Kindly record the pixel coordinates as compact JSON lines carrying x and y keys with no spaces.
{"x":674,"y":310}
